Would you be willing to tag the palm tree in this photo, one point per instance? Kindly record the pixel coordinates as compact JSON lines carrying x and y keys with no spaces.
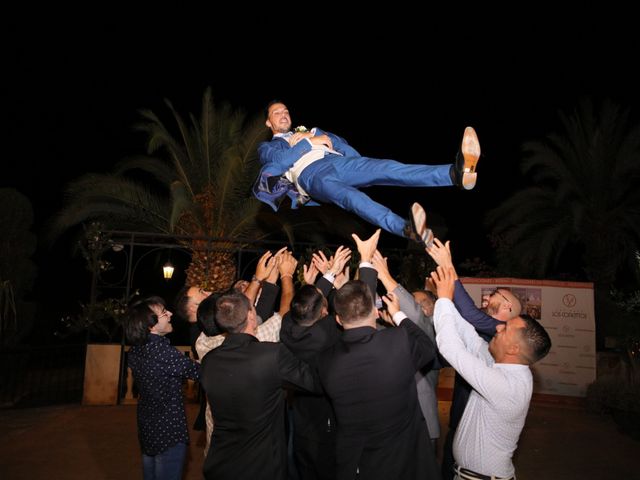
{"x":200,"y":188}
{"x":584,"y":200}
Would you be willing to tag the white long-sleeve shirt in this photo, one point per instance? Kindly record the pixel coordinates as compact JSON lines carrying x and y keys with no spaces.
{"x":493,"y":419}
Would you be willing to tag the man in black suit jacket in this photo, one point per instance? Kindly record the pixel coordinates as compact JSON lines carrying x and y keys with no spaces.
{"x":369,"y":377}
{"x":243,"y":379}
{"x":307,"y":330}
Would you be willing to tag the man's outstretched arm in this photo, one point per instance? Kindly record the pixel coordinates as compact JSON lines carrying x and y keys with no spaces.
{"x":482,"y":322}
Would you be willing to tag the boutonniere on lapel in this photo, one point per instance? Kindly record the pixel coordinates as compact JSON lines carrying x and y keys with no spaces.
{"x":301,"y":129}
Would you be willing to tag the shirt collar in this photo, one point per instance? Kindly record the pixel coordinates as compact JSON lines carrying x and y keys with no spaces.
{"x":154,"y":338}
{"x":283,"y":135}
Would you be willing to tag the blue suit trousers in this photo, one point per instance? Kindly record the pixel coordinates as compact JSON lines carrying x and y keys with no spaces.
{"x":336,"y":179}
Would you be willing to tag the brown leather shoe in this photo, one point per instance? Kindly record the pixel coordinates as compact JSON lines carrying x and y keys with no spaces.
{"x":419,"y":230}
{"x":464,"y":170}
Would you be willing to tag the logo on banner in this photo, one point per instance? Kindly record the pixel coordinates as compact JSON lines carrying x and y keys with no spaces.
{"x":569,"y":300}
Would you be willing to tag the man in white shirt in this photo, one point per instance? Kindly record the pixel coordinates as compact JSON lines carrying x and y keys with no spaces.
{"x":501,"y":379}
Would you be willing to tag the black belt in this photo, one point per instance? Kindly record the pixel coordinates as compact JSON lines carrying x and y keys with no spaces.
{"x":466,"y":474}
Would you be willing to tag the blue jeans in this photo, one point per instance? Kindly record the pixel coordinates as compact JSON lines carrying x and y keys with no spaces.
{"x":167,"y":465}
{"x":336,"y":179}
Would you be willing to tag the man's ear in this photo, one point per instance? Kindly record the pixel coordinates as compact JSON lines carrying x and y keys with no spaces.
{"x":338,"y":321}
{"x":514,"y":349}
{"x":268,"y":123}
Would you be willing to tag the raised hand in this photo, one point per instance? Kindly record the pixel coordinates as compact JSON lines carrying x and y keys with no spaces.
{"x":309,"y":273}
{"x":441,"y":253}
{"x":444,"y":280}
{"x":341,"y":278}
{"x":265,"y":265}
{"x":339,"y":260}
{"x":277,"y":257}
{"x":320,"y":261}
{"x":393,"y":304}
{"x":367,"y":247}
{"x":386,"y":316}
{"x":380,"y":264}
{"x":287,"y":265}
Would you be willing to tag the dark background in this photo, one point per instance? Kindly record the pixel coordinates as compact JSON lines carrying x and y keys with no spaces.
{"x":397,"y":85}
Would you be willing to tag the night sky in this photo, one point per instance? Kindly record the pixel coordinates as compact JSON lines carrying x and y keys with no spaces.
{"x":400,"y":86}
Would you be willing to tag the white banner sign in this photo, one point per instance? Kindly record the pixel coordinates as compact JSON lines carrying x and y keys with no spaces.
{"x":565,"y":309}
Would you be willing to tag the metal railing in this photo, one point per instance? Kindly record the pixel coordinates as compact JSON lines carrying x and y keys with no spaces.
{"x":37,"y":376}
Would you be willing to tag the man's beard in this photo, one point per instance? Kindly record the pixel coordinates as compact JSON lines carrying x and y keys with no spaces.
{"x":491,"y":310}
{"x":284,"y":129}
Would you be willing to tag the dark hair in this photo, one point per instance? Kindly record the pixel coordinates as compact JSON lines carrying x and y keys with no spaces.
{"x":536,"y":338}
{"x":432,"y":296}
{"x":181,"y":301}
{"x":206,"y":315}
{"x":232,"y":311}
{"x":139,"y":319}
{"x":269,"y":105}
{"x":306,"y":306}
{"x":353,"y":301}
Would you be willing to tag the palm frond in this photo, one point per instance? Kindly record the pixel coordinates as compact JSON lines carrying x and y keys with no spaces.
{"x":584,"y":195}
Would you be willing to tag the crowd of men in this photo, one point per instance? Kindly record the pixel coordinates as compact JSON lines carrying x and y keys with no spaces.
{"x":351,"y":382}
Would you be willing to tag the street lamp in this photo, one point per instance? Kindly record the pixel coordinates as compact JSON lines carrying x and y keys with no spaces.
{"x":167,"y":270}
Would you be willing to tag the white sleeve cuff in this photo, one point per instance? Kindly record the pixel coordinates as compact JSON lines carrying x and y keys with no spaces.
{"x":398,"y":317}
{"x":330,"y":277}
{"x":366,"y":265}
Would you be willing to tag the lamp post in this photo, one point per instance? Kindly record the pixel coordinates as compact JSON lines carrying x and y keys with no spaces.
{"x":167,"y":271}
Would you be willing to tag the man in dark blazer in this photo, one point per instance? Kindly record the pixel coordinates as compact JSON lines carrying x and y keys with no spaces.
{"x":307,"y":330}
{"x":317,"y":165}
{"x":244,"y":381}
{"x":426,"y":378}
{"x":369,"y":377}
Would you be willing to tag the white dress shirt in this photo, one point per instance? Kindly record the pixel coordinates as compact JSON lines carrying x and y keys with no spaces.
{"x":317,"y":153}
{"x":492,"y":421}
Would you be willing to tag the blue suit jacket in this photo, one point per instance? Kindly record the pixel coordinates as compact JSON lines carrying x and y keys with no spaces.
{"x":484,"y":324}
{"x":276,"y":157}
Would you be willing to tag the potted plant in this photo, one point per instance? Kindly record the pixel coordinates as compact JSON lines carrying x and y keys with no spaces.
{"x":101,"y":321}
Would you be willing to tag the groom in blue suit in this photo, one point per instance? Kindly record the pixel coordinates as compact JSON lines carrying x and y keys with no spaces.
{"x":317,"y":166}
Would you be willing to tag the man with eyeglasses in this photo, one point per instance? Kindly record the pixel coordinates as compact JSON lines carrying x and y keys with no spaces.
{"x":502,"y":306}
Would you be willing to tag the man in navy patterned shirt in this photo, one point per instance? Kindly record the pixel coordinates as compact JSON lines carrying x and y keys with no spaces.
{"x":158,"y":370}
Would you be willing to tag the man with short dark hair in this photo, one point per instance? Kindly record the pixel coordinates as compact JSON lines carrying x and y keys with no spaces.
{"x":420,"y":313}
{"x":499,"y":374}
{"x":369,"y":377}
{"x":243,"y":379}
{"x":159,"y":371}
{"x":308,"y":330}
{"x":502,"y":305}
{"x":316,"y":166}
